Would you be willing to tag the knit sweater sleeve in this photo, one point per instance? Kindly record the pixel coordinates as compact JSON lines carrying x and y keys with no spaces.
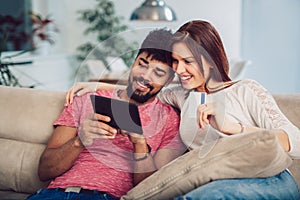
{"x":174,"y":96}
{"x":266,"y":114}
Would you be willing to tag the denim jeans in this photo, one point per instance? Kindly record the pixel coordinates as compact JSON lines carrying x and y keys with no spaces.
{"x":44,"y":194}
{"x":281,"y":186}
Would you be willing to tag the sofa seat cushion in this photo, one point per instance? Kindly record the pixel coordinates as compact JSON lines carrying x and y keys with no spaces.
{"x":11,"y":195}
{"x":18,"y":171}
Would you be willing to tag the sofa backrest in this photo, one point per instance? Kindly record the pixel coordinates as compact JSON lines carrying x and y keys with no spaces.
{"x":25,"y":127}
{"x":289,"y":104}
{"x":26,"y":114}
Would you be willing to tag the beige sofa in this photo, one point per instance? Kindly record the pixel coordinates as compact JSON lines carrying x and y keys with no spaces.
{"x":26,"y":124}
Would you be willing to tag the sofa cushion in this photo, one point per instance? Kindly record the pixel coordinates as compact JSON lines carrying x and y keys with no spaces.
{"x":244,"y":155}
{"x":27,"y":114}
{"x":11,"y":195}
{"x":18,"y":171}
{"x":289,"y":104}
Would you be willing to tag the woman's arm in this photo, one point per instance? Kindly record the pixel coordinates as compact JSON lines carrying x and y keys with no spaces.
{"x":266,"y":114}
{"x":81,"y":88}
{"x":261,"y":108}
{"x":174,"y":96}
{"x":281,"y":135}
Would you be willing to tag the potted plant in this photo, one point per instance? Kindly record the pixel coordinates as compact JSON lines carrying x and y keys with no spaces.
{"x":42,"y":31}
{"x":14,"y":36}
{"x":105,"y":25}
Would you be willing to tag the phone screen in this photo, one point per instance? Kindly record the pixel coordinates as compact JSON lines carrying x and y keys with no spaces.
{"x":124,"y":115}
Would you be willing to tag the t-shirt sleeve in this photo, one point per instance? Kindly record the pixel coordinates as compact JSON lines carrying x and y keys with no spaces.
{"x":266,"y":113}
{"x":171,"y":139}
{"x":69,"y":115}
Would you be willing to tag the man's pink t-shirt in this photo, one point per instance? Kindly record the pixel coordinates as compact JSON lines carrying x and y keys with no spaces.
{"x":107,"y":165}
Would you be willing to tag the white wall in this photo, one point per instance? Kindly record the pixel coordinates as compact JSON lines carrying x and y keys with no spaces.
{"x":64,"y":13}
{"x":271,"y":39}
{"x":225,"y":15}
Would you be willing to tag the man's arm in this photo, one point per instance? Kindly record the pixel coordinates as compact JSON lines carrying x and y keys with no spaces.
{"x":64,"y":146}
{"x":62,"y":150}
{"x":170,"y":147}
{"x":145,"y":163}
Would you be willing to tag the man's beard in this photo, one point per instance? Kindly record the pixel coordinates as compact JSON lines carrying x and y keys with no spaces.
{"x":137,"y":95}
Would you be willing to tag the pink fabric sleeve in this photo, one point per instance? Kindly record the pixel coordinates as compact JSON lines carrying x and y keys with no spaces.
{"x":171,"y":137}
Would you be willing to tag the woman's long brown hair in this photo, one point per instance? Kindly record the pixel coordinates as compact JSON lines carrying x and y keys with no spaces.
{"x":203,"y":39}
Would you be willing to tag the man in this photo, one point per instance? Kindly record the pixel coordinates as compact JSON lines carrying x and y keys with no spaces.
{"x":88,"y":159}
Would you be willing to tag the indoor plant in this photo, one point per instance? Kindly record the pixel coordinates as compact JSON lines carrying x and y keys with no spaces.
{"x":43,"y":30}
{"x":105,"y":25}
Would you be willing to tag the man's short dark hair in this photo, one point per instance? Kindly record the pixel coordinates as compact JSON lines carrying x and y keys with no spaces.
{"x":157,"y":46}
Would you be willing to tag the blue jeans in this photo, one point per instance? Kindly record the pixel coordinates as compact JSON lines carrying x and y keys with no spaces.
{"x":53,"y":194}
{"x":281,"y":186}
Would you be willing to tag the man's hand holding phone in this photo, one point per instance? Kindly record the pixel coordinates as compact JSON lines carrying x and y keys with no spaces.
{"x":99,"y":125}
{"x":95,"y":126}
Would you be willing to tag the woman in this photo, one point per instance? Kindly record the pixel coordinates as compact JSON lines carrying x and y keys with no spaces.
{"x":231,"y":108}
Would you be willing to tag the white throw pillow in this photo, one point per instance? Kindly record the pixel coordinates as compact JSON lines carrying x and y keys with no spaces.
{"x":241,"y":156}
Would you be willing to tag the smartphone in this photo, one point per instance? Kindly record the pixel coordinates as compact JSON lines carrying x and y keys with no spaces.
{"x":124,"y":115}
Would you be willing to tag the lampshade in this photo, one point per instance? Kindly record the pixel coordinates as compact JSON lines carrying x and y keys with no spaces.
{"x":153,"y":10}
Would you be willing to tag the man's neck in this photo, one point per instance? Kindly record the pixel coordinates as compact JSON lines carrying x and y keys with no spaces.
{"x":123,"y":95}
